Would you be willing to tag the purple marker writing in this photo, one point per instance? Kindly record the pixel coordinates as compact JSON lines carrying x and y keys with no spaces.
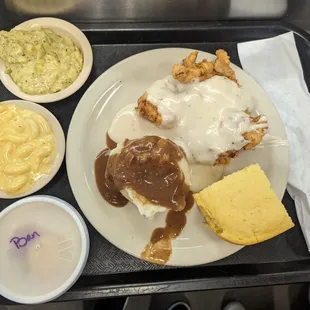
{"x":20,"y":242}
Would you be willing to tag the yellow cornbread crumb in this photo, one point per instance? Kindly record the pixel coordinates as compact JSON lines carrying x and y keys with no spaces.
{"x":242,"y":208}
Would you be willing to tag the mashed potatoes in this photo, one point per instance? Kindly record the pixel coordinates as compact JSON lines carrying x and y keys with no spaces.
{"x":145,"y":207}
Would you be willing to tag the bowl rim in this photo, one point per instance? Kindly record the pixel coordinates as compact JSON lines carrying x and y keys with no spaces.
{"x":85,"y":244}
{"x":77,"y":36}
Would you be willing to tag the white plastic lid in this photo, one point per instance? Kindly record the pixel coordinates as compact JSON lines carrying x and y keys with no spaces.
{"x":44,"y":248}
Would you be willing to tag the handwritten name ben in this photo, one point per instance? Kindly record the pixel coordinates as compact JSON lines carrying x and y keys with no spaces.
{"x":20,"y":242}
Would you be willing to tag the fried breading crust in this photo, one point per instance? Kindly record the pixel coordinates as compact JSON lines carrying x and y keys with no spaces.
{"x":148,"y":110}
{"x":190,"y":69}
{"x":253,"y":137}
{"x":222,"y":65}
{"x":224,"y":159}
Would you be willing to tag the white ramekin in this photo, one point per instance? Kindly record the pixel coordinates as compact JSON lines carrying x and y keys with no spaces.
{"x":60,"y":146}
{"x":60,"y":27}
{"x":82,"y":228}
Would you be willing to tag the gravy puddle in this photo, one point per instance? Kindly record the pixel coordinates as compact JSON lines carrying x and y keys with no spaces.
{"x":159,"y":249}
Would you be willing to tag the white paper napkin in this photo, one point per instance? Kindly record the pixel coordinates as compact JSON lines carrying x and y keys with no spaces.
{"x":275,"y":65}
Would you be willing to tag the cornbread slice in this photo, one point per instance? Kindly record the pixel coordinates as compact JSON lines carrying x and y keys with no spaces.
{"x":243,"y":209}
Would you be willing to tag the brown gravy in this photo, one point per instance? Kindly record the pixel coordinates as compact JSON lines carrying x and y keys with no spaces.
{"x":159,"y":249}
{"x":150,"y":166}
{"x":144,"y":163}
{"x":110,"y":143}
{"x":105,"y":184}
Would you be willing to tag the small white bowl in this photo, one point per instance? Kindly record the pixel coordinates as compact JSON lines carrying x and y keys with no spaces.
{"x":62,"y":28}
{"x":60,"y":146}
{"x":44,"y":218}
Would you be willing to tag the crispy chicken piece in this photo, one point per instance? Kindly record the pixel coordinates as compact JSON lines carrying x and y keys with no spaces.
{"x":253,"y":138}
{"x":204,"y":70}
{"x":190,"y":69}
{"x":224,"y":158}
{"x":221,"y":65}
{"x":148,"y":110}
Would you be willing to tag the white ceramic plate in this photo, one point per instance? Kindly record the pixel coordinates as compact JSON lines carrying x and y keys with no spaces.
{"x":125,"y":227}
{"x":62,"y":28}
{"x":60,"y":146}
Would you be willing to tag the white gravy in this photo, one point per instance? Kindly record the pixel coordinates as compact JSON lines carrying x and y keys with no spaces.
{"x":204,"y":118}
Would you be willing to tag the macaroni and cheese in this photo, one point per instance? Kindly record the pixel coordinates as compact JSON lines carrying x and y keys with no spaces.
{"x":27,"y":148}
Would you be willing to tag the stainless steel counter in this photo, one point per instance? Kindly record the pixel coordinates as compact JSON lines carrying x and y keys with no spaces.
{"x":97,"y":11}
{"x":90,"y":12}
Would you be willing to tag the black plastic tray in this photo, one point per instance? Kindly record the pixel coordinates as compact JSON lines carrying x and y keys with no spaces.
{"x":111,"y":272}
